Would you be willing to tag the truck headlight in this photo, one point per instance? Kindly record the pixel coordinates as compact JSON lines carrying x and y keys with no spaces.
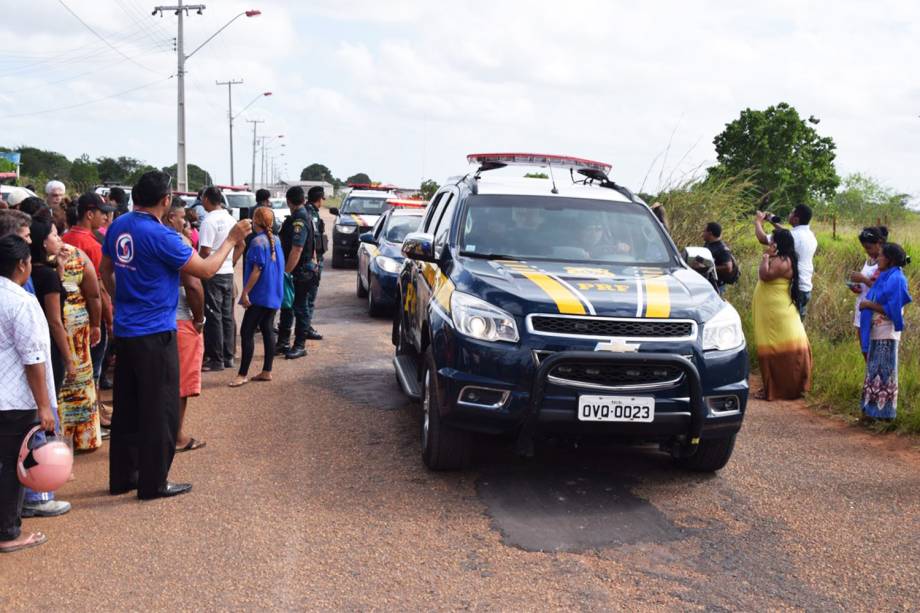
{"x":479,"y":319}
{"x":387,"y":264}
{"x":723,"y":332}
{"x":343,"y":229}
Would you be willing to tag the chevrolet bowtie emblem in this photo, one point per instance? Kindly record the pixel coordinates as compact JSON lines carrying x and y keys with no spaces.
{"x":617,"y":347}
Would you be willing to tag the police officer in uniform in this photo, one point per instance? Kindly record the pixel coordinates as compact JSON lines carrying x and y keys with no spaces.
{"x":299,"y":246}
{"x":315,"y":198}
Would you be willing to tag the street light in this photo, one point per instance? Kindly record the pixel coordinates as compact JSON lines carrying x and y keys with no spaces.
{"x":182,"y":11}
{"x":231,"y":116}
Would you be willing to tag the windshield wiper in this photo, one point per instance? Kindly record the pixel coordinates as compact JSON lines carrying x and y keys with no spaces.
{"x":488,"y":256}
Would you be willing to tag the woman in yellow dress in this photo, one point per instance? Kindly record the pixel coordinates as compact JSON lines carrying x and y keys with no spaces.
{"x":782,"y":345}
{"x":82,"y":311}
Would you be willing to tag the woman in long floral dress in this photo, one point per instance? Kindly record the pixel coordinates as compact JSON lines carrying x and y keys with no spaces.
{"x":82,"y":311}
{"x":882,"y":321}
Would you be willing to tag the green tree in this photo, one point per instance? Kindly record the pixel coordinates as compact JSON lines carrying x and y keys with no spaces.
{"x":316,"y":172}
{"x":428,"y":189}
{"x":536,"y":175}
{"x":789,"y":161}
{"x":198,"y":177}
{"x":83,"y":173}
{"x":360,"y":177}
{"x":118,"y":170}
{"x":37,"y":162}
{"x":864,"y":199}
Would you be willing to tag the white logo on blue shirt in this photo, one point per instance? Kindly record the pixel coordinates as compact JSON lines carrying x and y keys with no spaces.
{"x":124,"y":248}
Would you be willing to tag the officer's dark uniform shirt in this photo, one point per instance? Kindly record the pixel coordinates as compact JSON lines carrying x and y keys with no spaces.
{"x":297,"y":231}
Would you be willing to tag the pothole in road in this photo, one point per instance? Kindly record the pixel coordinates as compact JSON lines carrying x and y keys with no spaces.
{"x":560,"y":504}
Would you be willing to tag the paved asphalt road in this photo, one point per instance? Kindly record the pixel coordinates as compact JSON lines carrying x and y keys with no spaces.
{"x":310,"y":494}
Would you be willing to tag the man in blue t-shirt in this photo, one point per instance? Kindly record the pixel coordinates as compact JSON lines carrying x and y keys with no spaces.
{"x":140,"y":268}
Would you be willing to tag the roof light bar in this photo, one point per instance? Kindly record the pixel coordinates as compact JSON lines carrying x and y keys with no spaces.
{"x":378,"y":186}
{"x":537,"y":159}
{"x":407,"y":203}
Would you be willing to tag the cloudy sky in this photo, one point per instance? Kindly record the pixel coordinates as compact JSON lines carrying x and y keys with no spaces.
{"x":404,"y":89}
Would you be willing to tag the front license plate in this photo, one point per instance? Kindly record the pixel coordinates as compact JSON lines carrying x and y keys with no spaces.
{"x":616,"y":408}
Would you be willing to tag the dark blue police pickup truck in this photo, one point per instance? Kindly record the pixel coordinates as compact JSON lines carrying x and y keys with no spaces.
{"x":538,"y":307}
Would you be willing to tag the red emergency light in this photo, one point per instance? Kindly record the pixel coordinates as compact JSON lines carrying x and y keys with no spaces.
{"x":378,"y":186}
{"x":407,"y":203}
{"x":234,"y":188}
{"x":538,"y":159}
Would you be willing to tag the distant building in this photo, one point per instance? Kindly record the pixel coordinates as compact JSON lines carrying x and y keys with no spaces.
{"x":280,"y":188}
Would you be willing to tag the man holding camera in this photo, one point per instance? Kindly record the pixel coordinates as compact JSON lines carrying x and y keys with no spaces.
{"x":805,"y":246}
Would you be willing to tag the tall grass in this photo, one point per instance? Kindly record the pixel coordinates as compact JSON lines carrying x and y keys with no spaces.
{"x":839,"y":367}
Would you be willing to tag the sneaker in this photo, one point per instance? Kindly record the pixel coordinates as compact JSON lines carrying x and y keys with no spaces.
{"x":49,"y":508}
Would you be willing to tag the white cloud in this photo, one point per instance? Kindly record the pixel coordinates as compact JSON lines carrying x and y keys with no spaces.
{"x":402,"y":89}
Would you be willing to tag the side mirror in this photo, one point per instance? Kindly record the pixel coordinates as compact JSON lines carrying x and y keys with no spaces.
{"x":367,"y":237}
{"x":334,"y":211}
{"x":419,"y":246}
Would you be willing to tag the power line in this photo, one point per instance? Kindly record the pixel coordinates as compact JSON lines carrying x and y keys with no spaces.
{"x":100,"y":37}
{"x":163,"y":43}
{"x":88,"y":102}
{"x":90,"y":52}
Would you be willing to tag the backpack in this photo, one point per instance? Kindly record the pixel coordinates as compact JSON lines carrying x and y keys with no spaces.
{"x":735,"y":274}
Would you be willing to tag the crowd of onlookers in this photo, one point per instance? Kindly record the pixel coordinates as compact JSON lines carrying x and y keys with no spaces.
{"x":783,"y":293}
{"x":88,"y":287}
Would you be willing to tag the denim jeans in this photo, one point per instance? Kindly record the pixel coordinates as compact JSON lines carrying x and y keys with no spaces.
{"x":804,"y":298}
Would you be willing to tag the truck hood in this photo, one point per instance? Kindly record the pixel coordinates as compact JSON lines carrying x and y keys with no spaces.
{"x":355,"y":219}
{"x":524,"y":287}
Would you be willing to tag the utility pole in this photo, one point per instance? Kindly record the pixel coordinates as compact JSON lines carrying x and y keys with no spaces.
{"x":255,"y":124}
{"x":230,"y":85}
{"x":182,"y":11}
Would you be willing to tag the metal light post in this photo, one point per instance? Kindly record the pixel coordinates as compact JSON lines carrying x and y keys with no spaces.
{"x":182,"y":11}
{"x":230,"y":114}
{"x":230,"y":85}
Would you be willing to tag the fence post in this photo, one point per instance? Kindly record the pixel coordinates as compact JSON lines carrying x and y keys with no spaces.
{"x":834,"y":234}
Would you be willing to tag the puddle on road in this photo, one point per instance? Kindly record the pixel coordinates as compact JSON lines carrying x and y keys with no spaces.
{"x":370,"y":383}
{"x":559,"y":504}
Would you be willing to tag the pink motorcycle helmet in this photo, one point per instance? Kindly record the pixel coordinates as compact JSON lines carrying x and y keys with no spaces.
{"x":44,"y":464}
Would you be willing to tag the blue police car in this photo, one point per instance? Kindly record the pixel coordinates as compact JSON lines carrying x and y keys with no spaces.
{"x":561,"y":306}
{"x":380,"y":255}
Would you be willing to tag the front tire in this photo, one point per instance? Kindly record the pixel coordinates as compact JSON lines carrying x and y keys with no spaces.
{"x":711,"y":455}
{"x":443,"y":447}
{"x":373,"y":307}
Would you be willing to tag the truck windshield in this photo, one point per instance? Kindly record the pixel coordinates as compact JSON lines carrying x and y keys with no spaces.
{"x":365,"y":206}
{"x":241,"y":201}
{"x":568,"y":229}
{"x":399,"y":226}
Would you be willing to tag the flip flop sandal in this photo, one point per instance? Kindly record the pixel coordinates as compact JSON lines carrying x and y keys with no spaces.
{"x":238,"y":383}
{"x":37,"y":539}
{"x":193,"y":444}
{"x":260,"y":378}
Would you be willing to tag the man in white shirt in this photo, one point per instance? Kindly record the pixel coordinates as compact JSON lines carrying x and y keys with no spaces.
{"x":219,"y":325}
{"x":805,"y":247}
{"x":28,"y":393}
